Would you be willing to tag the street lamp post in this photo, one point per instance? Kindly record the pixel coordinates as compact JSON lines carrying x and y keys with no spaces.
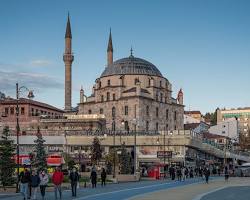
{"x":164,"y":159}
{"x":225,"y":146}
{"x":135,"y":160}
{"x":114,"y":154}
{"x":30,"y":95}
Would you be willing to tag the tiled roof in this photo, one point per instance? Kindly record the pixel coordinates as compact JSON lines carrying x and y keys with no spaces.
{"x":29,"y":101}
{"x":192,"y":112}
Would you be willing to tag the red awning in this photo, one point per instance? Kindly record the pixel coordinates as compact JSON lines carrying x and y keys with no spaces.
{"x":52,"y":160}
{"x":55,"y":161}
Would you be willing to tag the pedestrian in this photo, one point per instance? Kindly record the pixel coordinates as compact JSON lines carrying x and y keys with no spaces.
{"x":103,"y":177}
{"x":24,"y":179}
{"x":44,"y":179}
{"x":93,"y":177}
{"x":186,"y":172}
{"x":57,"y":179}
{"x":226,"y":173}
{"x":183,"y":173}
{"x":34,"y":183}
{"x":207,"y":174}
{"x":74,"y":179}
{"x":191,"y":173}
{"x":179,"y":173}
{"x":173,"y":174}
{"x":196,"y":171}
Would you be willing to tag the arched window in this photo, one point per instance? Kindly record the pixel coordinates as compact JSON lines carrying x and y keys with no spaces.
{"x":175,"y":115}
{"x":101,"y":110}
{"x":113,"y":126}
{"x":108,"y":82}
{"x":147,"y":110}
{"x":100,"y":84}
{"x":113,"y":112}
{"x":126,"y":126}
{"x":108,"y":96}
{"x":161,"y":97}
{"x":114,"y":97}
{"x":102,"y":98}
{"x":160,"y":84}
{"x":90,"y":111}
{"x":157,"y":112}
{"x":167,"y":112}
{"x":126,"y":110}
{"x":147,"y":126}
{"x":156,"y":126}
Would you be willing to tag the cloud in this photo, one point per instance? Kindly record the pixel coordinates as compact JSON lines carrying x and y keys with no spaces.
{"x":33,"y":81}
{"x":40,"y":63}
{"x":27,"y":65}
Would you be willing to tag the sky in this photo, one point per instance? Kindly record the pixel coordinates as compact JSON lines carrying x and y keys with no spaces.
{"x":201,"y":46}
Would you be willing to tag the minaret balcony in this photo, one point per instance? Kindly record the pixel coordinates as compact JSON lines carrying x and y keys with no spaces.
{"x":68,"y":57}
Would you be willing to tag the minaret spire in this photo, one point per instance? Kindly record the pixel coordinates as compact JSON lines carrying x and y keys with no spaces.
{"x":110,"y":50}
{"x":68,"y":59}
{"x":68,"y":29}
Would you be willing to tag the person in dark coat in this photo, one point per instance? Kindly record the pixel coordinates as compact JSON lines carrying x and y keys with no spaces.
{"x":74,"y":178}
{"x":226,"y":173}
{"x":207,"y":174}
{"x":179,"y":174}
{"x":34,"y":183}
{"x":191,"y":173}
{"x":24,"y":179}
{"x":93,"y":177}
{"x":103,"y":177}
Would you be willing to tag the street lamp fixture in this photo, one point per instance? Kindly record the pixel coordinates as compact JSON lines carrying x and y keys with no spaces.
{"x":30,"y":95}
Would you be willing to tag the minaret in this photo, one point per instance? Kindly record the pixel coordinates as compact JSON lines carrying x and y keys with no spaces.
{"x":180,"y":97}
{"x":68,"y":59}
{"x":110,"y":51}
{"x":81,"y":95}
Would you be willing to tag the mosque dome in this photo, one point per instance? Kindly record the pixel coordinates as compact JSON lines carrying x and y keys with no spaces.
{"x":131,"y":66}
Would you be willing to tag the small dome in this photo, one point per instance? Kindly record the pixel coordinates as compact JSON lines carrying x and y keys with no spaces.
{"x":131,"y":65}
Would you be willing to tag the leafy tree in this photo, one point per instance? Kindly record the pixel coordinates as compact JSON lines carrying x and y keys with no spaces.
{"x":69,"y":160}
{"x":211,"y":117}
{"x":110,"y":158}
{"x":125,"y":160}
{"x":7,"y":163}
{"x":96,"y":151}
{"x":40,"y":161}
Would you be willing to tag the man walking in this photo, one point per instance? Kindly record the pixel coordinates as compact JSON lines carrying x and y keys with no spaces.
{"x":226,"y":172}
{"x":103,"y":177}
{"x":24,"y":179}
{"x":44,"y":179}
{"x":93,"y":177}
{"x":207,"y":174}
{"x":34,"y":183}
{"x":57,"y":180}
{"x":74,"y":178}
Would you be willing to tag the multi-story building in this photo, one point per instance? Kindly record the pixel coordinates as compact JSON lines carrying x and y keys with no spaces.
{"x":30,"y":112}
{"x":242,"y":116}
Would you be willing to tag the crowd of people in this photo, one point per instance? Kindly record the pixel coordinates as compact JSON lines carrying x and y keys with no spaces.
{"x":31,"y":180}
{"x":182,"y":173}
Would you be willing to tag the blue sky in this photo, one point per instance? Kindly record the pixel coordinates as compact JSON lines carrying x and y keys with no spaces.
{"x":201,"y":46}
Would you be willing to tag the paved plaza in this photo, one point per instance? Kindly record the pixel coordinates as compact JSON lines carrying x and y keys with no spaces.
{"x":192,"y":189}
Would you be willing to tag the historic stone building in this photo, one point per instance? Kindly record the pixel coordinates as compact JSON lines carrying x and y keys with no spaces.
{"x":133,"y":95}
